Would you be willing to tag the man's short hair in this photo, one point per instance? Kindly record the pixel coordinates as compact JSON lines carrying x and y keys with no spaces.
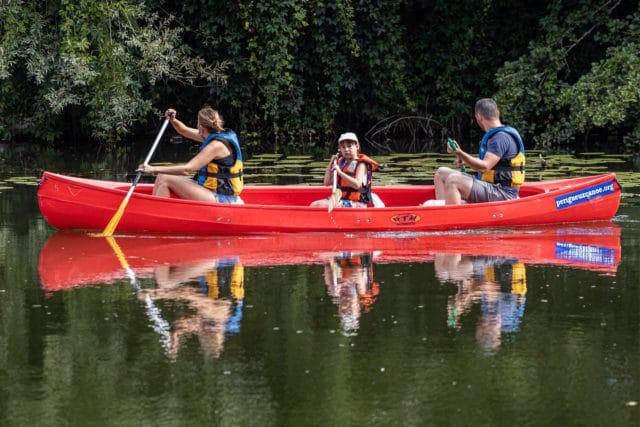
{"x":487,"y":108}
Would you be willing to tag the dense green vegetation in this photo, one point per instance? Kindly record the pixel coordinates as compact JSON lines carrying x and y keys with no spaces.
{"x":291,"y":74}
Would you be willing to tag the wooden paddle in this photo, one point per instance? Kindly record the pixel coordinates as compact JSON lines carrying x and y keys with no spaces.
{"x":336,"y":193}
{"x":111,"y":226}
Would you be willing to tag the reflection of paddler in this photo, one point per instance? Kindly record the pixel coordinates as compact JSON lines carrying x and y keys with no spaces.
{"x":349,"y":280}
{"x":509,"y":302}
{"x":506,"y":273}
{"x":216,"y":306}
{"x":226,"y":281}
{"x":354,"y":274}
{"x":499,"y":285}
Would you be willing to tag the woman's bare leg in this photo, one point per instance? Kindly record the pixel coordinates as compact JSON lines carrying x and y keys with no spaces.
{"x":183,"y":187}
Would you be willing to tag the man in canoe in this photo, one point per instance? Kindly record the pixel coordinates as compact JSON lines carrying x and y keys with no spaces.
{"x":353,"y":172}
{"x":218,"y":163}
{"x":499,"y":165}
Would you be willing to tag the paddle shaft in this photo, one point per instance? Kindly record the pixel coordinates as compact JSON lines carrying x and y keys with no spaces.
{"x":113,"y":223}
{"x":148,"y":158}
{"x":158,"y":324}
{"x":155,"y":143}
{"x":336,"y":193}
{"x":334,"y":183}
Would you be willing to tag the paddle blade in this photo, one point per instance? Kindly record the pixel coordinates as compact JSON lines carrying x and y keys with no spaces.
{"x":111,"y":227}
{"x":336,"y":195}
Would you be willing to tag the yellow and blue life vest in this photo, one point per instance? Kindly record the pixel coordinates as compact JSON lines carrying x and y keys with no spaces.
{"x":513,"y":274}
{"x":217,"y":176}
{"x":226,"y":281}
{"x":508,"y":171}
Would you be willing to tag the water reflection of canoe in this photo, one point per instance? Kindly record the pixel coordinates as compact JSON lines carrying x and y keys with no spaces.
{"x":88,"y":204}
{"x":70,"y":259}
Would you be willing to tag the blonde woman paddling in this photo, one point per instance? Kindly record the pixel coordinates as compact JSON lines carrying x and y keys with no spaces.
{"x":217,"y":165}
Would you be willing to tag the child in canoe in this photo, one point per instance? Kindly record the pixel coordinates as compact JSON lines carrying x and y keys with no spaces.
{"x":353,"y":174}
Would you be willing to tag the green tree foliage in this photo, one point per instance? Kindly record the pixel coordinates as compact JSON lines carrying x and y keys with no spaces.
{"x":399,"y":72}
{"x":289,"y":75}
{"x":86,"y":67}
{"x":580,"y":76}
{"x":454,"y":48}
{"x":302,"y":71}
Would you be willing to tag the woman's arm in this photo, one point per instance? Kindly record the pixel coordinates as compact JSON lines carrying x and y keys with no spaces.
{"x":215,"y":150}
{"x":181,"y":128}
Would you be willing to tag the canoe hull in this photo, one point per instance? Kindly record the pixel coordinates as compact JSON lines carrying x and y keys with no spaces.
{"x":87,"y":204}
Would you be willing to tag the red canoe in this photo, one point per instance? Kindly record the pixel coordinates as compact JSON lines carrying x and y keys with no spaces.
{"x":71,"y":259}
{"x":88,"y":204}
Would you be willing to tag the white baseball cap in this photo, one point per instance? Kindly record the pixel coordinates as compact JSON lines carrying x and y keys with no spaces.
{"x":348,"y":136}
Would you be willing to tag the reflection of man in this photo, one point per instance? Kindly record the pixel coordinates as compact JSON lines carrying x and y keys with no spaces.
{"x":216,"y":305}
{"x":349,"y":280}
{"x":497,"y":285}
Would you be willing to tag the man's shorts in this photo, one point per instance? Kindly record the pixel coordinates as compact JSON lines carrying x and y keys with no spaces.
{"x":482,"y":191}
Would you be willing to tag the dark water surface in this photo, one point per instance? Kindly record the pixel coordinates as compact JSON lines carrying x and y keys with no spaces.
{"x":514,"y":327}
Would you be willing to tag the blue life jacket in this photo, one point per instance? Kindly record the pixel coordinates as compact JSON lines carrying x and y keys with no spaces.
{"x":508,"y":171}
{"x":221,"y":178}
